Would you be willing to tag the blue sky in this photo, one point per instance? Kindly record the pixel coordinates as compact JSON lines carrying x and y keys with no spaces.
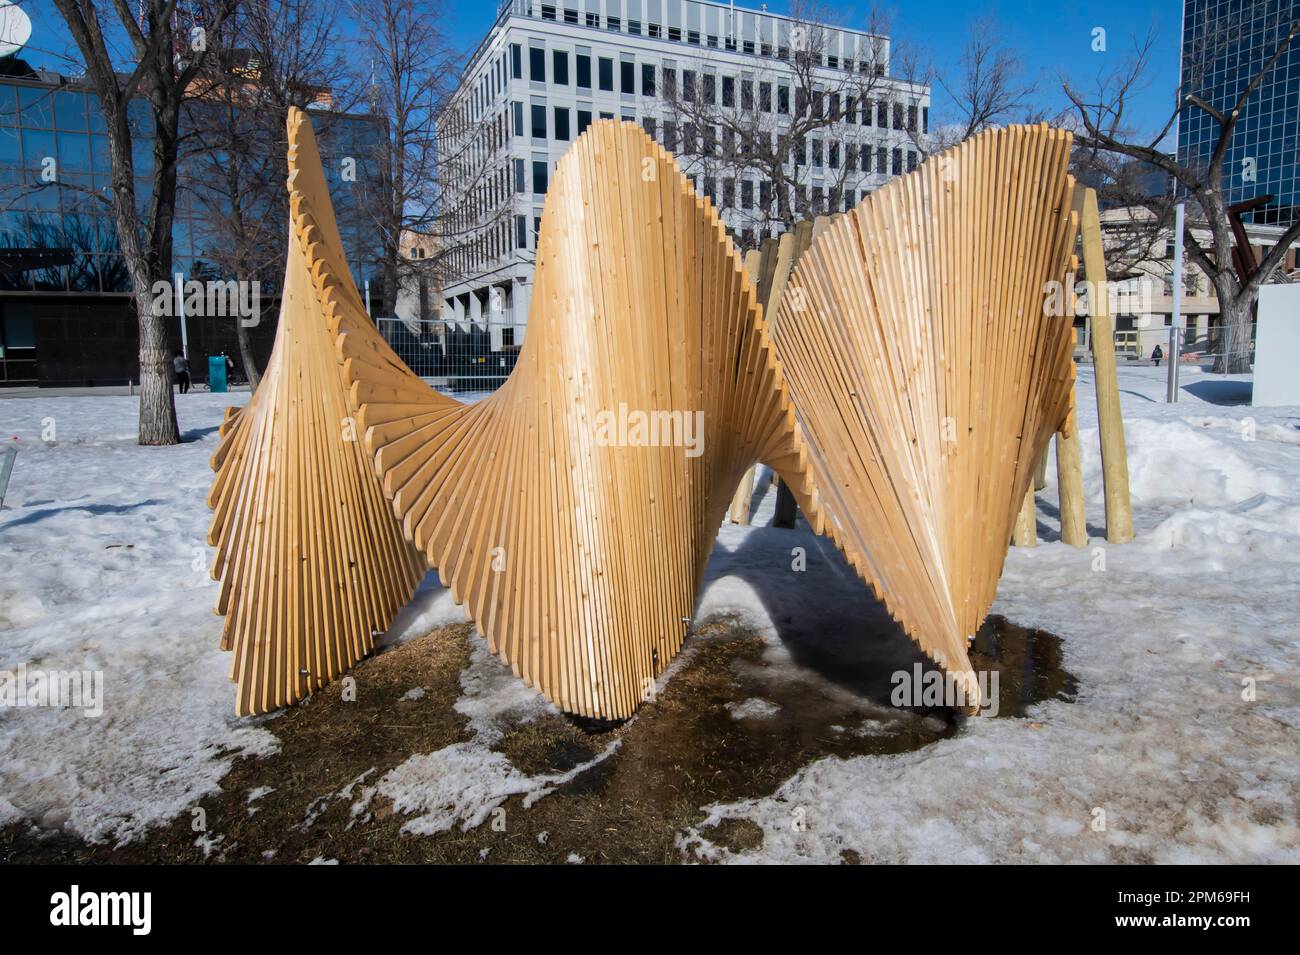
{"x":1051,"y":36}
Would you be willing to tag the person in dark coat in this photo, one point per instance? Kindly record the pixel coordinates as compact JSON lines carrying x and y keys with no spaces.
{"x":181,"y":366}
{"x":1156,"y":354}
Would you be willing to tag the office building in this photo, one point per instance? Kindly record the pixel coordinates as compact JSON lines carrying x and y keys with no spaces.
{"x":713,"y":82}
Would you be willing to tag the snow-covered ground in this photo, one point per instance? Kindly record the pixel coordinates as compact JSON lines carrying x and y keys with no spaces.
{"x":103,"y":568}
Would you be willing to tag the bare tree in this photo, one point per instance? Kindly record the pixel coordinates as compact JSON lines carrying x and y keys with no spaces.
{"x":1200,"y":178}
{"x":273,"y":55}
{"x":432,"y":148}
{"x":792,"y":115}
{"x":987,"y":88}
{"x":165,"y":55}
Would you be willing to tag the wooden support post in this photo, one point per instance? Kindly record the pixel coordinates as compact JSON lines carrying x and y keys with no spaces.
{"x":1025,"y":533}
{"x":1110,"y":420}
{"x":786,"y":508}
{"x":1069,"y":482}
{"x":1040,"y":472}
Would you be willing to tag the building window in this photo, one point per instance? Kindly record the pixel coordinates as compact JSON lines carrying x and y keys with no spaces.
{"x":607,"y":74}
{"x":783,"y":100}
{"x":675,"y":34}
{"x":911,"y":161}
{"x":634,"y":27}
{"x":570,"y":16}
{"x":925,"y":119}
{"x":729,"y":91}
{"x":539,"y":121}
{"x":614,"y":23}
{"x":548,"y":12}
{"x":593,"y":19}
{"x":516,"y":61}
{"x":688,"y":85}
{"x":560,"y":68}
{"x":562,"y":123}
{"x":911,"y":119}
{"x":867,"y":109}
{"x":518,"y":109}
{"x":653,"y":29}
{"x":670,"y":83}
{"x":648,"y":124}
{"x":647,"y":79}
{"x":627,"y":77}
{"x":882,"y":115}
{"x":866,"y":158}
{"x":584,"y":120}
{"x":537,"y":64}
{"x":539,"y":177}
{"x":520,"y":184}
{"x":746,"y":194}
{"x":747,"y":94}
{"x":882,"y":159}
{"x":897,"y":164}
{"x":584,"y":71}
{"x":708,"y":93}
{"x":521,"y":231}
{"x":898,"y":115}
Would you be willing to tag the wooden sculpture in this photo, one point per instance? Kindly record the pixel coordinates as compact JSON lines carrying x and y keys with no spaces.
{"x":311,"y":562}
{"x":573,"y":511}
{"x":928,"y":379}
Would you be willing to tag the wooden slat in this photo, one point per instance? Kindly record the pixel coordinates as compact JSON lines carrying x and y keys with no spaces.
{"x":902,"y":382}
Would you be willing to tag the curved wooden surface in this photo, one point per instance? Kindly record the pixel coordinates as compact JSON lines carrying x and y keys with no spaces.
{"x":311,"y":562}
{"x":927,"y":378}
{"x":579,"y":553}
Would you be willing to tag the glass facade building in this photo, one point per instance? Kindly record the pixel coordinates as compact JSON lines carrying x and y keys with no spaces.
{"x":54,"y":170}
{"x":1225,"y":44}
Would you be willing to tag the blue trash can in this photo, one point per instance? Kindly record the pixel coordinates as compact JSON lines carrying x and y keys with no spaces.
{"x":217,"y":373}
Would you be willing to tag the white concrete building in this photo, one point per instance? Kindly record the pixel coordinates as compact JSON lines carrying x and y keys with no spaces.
{"x":1142,"y":301}
{"x":548,"y":68}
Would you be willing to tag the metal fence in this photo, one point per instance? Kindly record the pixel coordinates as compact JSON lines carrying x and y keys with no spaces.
{"x":455,"y":356}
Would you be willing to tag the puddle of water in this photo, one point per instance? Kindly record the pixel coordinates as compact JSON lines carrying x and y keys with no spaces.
{"x":1028,"y":663}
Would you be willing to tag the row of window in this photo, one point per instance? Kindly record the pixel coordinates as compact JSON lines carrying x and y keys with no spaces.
{"x":711,"y":89}
{"x":806,"y":48}
{"x":499,"y":239}
{"x":690,"y":140}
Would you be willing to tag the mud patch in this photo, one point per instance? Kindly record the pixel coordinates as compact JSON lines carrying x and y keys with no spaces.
{"x":739,"y":716}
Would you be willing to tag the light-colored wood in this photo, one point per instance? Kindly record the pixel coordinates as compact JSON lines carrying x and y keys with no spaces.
{"x":1110,"y":419}
{"x":1069,"y":481}
{"x":927,"y":378}
{"x":311,"y":561}
{"x":1040,"y":473}
{"x":756,"y":263}
{"x":578,"y":546}
{"x":1025,"y":533}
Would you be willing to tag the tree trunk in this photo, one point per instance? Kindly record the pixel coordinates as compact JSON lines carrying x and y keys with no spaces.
{"x":246,"y":355}
{"x":157,"y":407}
{"x":1233,"y":352}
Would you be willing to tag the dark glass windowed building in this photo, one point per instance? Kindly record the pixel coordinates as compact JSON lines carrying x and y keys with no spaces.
{"x":1225,"y":44}
{"x":68,"y":320}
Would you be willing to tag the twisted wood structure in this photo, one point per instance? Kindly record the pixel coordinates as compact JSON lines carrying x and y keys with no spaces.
{"x":928,"y":380}
{"x":573,"y":511}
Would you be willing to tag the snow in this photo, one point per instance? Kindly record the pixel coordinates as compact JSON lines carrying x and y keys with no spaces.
{"x":754,"y":708}
{"x":1181,"y":746}
{"x":1162,"y":758}
{"x":466,"y":782}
